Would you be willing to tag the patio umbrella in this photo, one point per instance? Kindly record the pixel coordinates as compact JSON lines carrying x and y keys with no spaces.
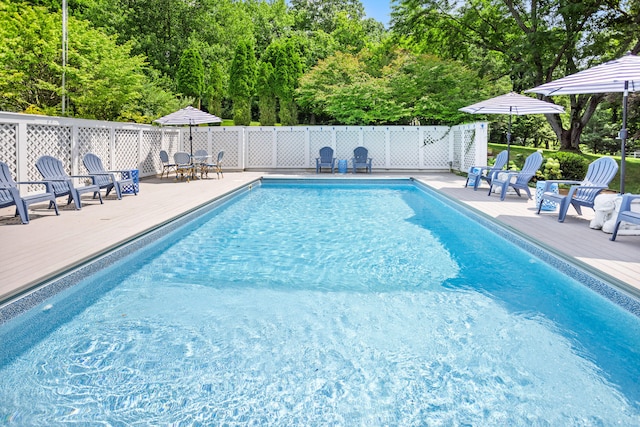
{"x":188,"y":116}
{"x":619,"y":75}
{"x":513,"y":103}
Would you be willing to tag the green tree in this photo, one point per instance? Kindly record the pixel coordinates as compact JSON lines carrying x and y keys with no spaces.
{"x":287,"y":69}
{"x":265,"y":88}
{"x":103,"y":80}
{"x":320,"y":15}
{"x":344,"y":89}
{"x":242,"y":79}
{"x":190,"y":75}
{"x":530,"y":41}
{"x":214,"y":90}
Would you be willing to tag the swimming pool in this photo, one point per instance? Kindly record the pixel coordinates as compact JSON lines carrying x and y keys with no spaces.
{"x":345,"y":303}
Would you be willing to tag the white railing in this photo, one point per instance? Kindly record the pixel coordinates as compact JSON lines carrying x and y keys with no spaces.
{"x":24,"y":138}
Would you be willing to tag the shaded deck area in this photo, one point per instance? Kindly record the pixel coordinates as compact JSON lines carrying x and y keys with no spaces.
{"x":49,"y":245}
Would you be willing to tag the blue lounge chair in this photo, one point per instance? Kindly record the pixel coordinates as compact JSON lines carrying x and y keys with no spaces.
{"x":582,"y":193}
{"x":516,"y":180}
{"x":184,"y":167}
{"x":10,"y":195}
{"x":107,"y":179}
{"x":478,"y":173}
{"x":625,"y":214}
{"x":53,"y":171}
{"x":166,"y":166}
{"x":361,"y":159}
{"x":326,"y":159}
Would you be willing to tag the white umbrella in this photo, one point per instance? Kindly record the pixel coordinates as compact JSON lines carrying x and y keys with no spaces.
{"x":619,"y":75}
{"x":188,"y":116}
{"x":513,"y":103}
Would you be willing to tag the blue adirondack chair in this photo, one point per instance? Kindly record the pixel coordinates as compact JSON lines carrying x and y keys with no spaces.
{"x":53,"y":171}
{"x":326,"y":159}
{"x":582,"y":193}
{"x":478,"y":173}
{"x":166,"y":166}
{"x":361,"y":159}
{"x":625,"y":214}
{"x":107,"y":179}
{"x":517,"y":180}
{"x":10,"y":195}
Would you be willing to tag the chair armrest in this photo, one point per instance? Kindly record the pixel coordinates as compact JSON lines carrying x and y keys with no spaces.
{"x":548,"y":183}
{"x":47,"y":184}
{"x":625,"y":205}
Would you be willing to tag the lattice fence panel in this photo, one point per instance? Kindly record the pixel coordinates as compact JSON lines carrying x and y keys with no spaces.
{"x":260,"y":148}
{"x":458,"y":134}
{"x":170,"y":142}
{"x":8,"y":146}
{"x":227,"y":140}
{"x":404,"y":148}
{"x":199,"y":136}
{"x":48,"y":140}
{"x":375,"y":141}
{"x":468,"y":148}
{"x":435,"y":147}
{"x":346,"y":140}
{"x":318,"y":138}
{"x":290,"y":148}
{"x":126,"y":147}
{"x":150,"y":163}
{"x":96,"y":141}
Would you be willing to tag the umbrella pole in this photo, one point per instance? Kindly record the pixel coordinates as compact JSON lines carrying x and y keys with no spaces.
{"x":623,"y":135}
{"x":509,"y":139}
{"x":190,"y":141}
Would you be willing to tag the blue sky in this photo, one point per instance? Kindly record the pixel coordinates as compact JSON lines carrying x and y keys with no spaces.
{"x":380,"y":10}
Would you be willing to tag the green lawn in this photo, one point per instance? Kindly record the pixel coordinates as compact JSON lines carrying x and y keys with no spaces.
{"x":632,"y":173}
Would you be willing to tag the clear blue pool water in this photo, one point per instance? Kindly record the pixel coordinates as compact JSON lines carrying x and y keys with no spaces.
{"x":342,"y":305}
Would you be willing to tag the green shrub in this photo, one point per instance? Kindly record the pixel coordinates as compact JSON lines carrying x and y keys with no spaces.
{"x":573,"y":166}
{"x":550,"y":169}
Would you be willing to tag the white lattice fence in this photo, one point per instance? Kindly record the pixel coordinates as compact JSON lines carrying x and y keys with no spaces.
{"x":9,"y":146}
{"x":291,"y":151}
{"x":96,"y":141}
{"x":24,"y":138}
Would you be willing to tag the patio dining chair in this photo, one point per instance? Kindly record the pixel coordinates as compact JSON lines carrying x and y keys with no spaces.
{"x":184,"y":166}
{"x":166,"y":165}
{"x":62,"y":184}
{"x":10,"y":195}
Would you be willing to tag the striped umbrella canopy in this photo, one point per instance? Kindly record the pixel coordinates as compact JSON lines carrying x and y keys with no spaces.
{"x":188,"y":116}
{"x":618,"y":76}
{"x":513,"y":103}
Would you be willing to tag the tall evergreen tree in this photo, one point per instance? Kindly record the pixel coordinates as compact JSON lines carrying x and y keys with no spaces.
{"x":190,"y":75}
{"x":242,"y":78}
{"x":214,"y":90}
{"x":288,"y":70}
{"x":265,"y":90}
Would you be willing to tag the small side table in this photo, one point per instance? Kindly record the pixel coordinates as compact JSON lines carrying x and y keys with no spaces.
{"x":547,"y":205}
{"x":342,"y":166}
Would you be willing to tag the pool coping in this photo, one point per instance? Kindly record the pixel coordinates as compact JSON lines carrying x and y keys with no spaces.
{"x":609,"y":287}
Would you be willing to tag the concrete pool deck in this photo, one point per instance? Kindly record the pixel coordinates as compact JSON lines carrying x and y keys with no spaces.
{"x":49,"y":245}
